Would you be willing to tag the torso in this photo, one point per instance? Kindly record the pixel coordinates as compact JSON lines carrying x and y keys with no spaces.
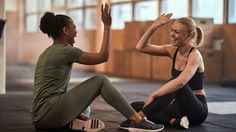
{"x":197,"y":81}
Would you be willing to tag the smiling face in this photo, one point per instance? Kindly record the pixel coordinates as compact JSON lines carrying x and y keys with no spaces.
{"x":179,"y":34}
{"x":70,"y":32}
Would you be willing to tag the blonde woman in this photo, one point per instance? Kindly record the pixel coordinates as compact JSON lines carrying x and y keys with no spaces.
{"x":182,"y":100}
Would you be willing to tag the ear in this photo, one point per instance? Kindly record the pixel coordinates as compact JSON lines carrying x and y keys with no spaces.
{"x":65,"y":30}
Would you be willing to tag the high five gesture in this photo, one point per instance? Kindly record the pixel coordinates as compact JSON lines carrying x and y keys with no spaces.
{"x":106,"y":15}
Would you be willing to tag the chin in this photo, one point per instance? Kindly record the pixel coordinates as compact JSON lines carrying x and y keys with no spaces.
{"x":175,"y":44}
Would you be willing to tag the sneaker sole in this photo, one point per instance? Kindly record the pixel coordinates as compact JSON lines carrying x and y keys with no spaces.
{"x":124,"y":128}
{"x":92,"y":125}
{"x":144,"y":130}
{"x":184,"y":122}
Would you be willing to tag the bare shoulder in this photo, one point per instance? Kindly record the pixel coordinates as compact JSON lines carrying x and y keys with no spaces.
{"x":170,"y":49}
{"x":196,"y":57}
{"x":196,"y":54}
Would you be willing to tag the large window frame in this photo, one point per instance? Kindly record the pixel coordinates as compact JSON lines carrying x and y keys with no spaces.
{"x":213,"y":9}
{"x":58,"y":7}
{"x":62,"y":6}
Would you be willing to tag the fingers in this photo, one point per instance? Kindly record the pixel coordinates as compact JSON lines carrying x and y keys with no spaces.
{"x":169,"y":15}
{"x":163,"y":14}
{"x":109,"y":13}
{"x":105,"y":9}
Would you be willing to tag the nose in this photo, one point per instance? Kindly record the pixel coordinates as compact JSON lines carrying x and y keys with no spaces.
{"x":172,"y":34}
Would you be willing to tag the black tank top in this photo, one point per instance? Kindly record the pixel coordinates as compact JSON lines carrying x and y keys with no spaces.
{"x":196,"y":82}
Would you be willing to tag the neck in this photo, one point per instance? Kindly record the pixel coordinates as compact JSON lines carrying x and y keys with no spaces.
{"x":60,"y":41}
{"x":184,"y":50}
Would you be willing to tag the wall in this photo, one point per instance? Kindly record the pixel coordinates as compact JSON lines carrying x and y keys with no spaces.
{"x":2,"y":52}
{"x":124,"y":59}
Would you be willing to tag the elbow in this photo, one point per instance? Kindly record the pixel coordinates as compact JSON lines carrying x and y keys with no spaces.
{"x":105,"y":58}
{"x":181,"y":84}
{"x":139,"y":48}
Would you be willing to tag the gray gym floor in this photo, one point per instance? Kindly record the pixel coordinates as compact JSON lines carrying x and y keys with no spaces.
{"x":15,"y":105}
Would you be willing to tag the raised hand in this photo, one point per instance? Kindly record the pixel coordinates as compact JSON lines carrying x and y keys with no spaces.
{"x":162,"y":20}
{"x":106,"y":15}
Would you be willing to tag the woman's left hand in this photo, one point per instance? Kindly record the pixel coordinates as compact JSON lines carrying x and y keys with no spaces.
{"x":106,"y":15}
{"x":148,"y":100}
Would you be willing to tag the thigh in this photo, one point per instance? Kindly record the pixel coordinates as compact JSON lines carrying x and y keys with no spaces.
{"x":166,"y":114}
{"x":159,"y":103}
{"x":72,"y":103}
{"x":189,"y":104}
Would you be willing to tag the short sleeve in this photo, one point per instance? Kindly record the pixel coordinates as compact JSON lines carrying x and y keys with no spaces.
{"x":72,"y":53}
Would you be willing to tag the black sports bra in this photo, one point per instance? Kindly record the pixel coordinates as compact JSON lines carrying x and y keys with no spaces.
{"x":196,"y":82}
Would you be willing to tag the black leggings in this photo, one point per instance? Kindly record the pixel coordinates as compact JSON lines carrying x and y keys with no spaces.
{"x":175,"y":105}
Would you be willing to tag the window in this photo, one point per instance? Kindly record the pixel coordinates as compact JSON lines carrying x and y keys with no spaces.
{"x":208,"y":9}
{"x":116,"y":1}
{"x":144,"y":8}
{"x":45,"y":5}
{"x":31,"y":16}
{"x":31,"y":6}
{"x":179,"y":8}
{"x":77,"y":16}
{"x":90,"y":18}
{"x":232,"y":11}
{"x":58,"y":3}
{"x":75,"y":3}
{"x":90,"y":2}
{"x":120,"y":14}
{"x":31,"y":23}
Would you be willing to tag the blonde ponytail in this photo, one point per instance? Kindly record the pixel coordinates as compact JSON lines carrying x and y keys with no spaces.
{"x":200,"y":36}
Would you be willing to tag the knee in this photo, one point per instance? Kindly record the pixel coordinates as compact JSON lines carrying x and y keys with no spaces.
{"x":101,"y":77}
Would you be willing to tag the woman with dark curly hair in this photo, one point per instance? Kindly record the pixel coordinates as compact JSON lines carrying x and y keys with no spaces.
{"x":54,"y":107}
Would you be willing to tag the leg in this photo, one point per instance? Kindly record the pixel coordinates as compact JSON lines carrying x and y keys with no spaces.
{"x":76,"y":100}
{"x":191,"y":105}
{"x":164,"y":116}
{"x":158,"y":104}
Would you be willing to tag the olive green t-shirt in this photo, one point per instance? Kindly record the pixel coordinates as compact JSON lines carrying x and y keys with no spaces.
{"x":52,"y":75}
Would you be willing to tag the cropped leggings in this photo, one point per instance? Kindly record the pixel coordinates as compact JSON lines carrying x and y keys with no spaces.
{"x":75,"y":101}
{"x":175,"y":105}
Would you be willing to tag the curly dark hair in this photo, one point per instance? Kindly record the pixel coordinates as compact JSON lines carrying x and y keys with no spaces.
{"x":52,"y":24}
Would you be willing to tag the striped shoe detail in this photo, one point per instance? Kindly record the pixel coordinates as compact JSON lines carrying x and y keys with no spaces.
{"x":91,"y":125}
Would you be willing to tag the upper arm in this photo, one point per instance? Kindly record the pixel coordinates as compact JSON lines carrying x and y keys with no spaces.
{"x":193,"y":64}
{"x":90,"y":58}
{"x":73,"y":54}
{"x":159,"y":50}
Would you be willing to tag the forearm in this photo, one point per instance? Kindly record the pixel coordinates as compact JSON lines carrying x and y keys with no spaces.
{"x":145,"y":39}
{"x":169,"y":87}
{"x":104,"y":52}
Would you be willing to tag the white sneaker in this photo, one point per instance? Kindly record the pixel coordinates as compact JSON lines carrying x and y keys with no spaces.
{"x":91,"y":125}
{"x":184,"y":122}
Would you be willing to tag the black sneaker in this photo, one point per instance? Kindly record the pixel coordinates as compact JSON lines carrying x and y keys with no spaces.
{"x":145,"y":126}
{"x":125,"y":124}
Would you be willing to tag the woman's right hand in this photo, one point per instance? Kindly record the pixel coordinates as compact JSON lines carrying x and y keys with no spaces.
{"x":148,"y":100}
{"x":162,"y":20}
{"x":106,"y":15}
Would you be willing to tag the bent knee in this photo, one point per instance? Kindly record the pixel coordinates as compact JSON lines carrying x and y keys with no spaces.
{"x":101,"y":77}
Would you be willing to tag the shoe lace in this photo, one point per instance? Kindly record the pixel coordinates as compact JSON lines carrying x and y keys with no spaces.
{"x":148,"y":121}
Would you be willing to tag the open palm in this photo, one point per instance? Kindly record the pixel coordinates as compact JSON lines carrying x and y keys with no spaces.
{"x":106,"y":15}
{"x":163,"y":19}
